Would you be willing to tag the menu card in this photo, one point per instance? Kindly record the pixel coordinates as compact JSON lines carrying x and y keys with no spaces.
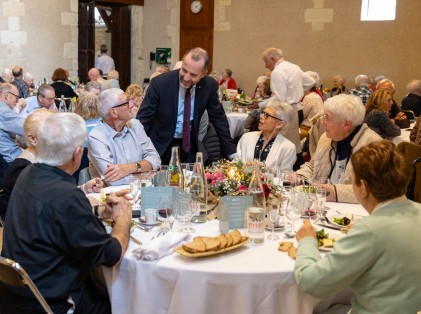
{"x":232,"y":212}
{"x":152,"y":194}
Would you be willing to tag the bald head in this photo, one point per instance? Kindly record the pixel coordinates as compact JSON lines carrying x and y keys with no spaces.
{"x":17,"y":71}
{"x":94,"y":74}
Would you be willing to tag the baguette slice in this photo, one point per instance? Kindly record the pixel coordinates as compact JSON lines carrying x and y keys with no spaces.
{"x":236,"y":236}
{"x":284,"y":246}
{"x":292,"y":252}
{"x":212,"y":244}
{"x":229,"y":239}
{"x":223,"y":239}
{"x":328,"y":243}
{"x":196,"y":246}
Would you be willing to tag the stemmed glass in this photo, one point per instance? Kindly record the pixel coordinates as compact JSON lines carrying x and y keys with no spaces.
{"x":321,"y":200}
{"x":165,"y":211}
{"x":187,"y":172}
{"x":273,"y":215}
{"x":185,"y":209}
{"x":293,"y":211}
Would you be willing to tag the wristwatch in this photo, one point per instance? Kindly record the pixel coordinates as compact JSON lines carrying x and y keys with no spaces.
{"x":138,"y":167}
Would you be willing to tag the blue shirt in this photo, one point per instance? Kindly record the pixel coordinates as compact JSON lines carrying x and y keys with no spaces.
{"x":108,"y":147}
{"x":32,"y":105}
{"x":180,"y":116}
{"x":10,"y":126}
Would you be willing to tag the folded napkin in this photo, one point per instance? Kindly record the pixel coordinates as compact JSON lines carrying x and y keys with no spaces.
{"x":160,"y":247}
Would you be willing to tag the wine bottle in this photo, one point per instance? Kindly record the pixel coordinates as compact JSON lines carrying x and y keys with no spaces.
{"x":175,"y":173}
{"x":198,"y":189}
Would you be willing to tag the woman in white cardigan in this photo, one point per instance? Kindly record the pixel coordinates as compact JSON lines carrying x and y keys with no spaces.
{"x":269,"y":145}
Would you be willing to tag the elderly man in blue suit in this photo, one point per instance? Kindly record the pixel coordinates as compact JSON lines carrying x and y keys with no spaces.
{"x":174,"y":104}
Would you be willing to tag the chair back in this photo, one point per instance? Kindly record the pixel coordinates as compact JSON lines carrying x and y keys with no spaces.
{"x":84,"y":176}
{"x":12,"y":274}
{"x":412,"y":154}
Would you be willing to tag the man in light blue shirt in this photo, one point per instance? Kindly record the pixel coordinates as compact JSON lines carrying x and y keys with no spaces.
{"x":119,"y":147}
{"x":44,"y":99}
{"x":10,"y":123}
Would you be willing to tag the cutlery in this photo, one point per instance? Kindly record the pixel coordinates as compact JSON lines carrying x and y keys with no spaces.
{"x":136,"y":240}
{"x":142,"y":227}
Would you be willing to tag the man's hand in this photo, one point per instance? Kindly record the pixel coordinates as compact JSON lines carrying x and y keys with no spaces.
{"x":307,"y":230}
{"x":330,"y":192}
{"x":93,"y":186}
{"x":118,"y":171}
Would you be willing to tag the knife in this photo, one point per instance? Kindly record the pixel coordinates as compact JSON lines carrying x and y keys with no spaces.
{"x":330,"y":226}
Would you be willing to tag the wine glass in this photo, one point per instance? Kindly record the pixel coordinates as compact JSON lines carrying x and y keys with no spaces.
{"x":273,"y":215}
{"x":134,"y":188}
{"x":185,"y":208}
{"x":187,"y":171}
{"x":165,"y":211}
{"x":293,"y":212}
{"x":321,"y":200}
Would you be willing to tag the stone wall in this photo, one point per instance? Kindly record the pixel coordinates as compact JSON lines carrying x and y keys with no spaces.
{"x":39,"y":35}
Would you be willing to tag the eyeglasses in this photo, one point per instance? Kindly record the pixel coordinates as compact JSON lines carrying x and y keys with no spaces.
{"x":17,"y":96}
{"x":121,"y":105}
{"x":326,"y":118}
{"x":267,"y":115}
{"x":48,"y":98}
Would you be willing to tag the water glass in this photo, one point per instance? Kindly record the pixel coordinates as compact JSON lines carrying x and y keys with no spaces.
{"x":273,"y":216}
{"x":293,"y":211}
{"x":321,"y":201}
{"x":185,"y":209}
{"x":134,"y":187}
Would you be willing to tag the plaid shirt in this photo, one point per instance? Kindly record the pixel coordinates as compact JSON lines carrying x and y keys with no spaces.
{"x":363,"y":92}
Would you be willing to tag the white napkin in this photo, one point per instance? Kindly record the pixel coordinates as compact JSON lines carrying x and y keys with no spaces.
{"x":160,"y":247}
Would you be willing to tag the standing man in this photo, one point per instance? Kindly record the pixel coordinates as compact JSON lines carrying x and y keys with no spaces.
{"x":175,"y":103}
{"x":288,"y":83}
{"x":19,"y":82}
{"x":104,"y":62}
{"x":10,"y":123}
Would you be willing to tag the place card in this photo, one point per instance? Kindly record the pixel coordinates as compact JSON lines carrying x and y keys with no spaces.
{"x":232,"y":212}
{"x":152,"y":194}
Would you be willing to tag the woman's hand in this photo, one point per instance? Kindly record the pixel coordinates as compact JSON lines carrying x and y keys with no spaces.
{"x":307,"y":230}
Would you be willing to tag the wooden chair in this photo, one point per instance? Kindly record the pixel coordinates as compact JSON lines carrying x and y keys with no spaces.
{"x":12,"y":274}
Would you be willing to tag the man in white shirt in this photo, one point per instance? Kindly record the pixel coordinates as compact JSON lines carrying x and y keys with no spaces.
{"x":288,"y":83}
{"x":104,"y":62}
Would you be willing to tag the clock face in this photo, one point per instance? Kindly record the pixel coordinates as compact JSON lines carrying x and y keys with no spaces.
{"x":196,"y":6}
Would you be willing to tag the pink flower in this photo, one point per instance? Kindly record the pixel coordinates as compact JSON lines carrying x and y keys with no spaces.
{"x":213,"y":182}
{"x":242,"y":188}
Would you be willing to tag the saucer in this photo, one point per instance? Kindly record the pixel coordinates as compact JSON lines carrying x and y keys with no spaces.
{"x":143,"y":222}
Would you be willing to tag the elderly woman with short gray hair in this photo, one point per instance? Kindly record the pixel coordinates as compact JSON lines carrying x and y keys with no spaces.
{"x":268,"y":145}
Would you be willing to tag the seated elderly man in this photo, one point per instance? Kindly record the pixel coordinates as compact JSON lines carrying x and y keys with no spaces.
{"x":119,"y":147}
{"x":44,"y":99}
{"x":52,"y":231}
{"x":11,"y":124}
{"x":412,"y":101}
{"x":345,"y":133}
{"x":268,"y":145}
{"x":95,"y":76}
{"x":377,"y":257}
{"x":361,"y":88}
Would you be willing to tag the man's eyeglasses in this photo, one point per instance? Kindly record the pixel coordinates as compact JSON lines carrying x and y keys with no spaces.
{"x":326,"y":118}
{"x":17,"y":96}
{"x":48,"y":98}
{"x":267,"y":115}
{"x":121,"y":105}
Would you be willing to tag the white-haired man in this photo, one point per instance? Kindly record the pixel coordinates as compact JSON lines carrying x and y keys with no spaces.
{"x":119,"y":147}
{"x":288,"y":83}
{"x":412,"y":101}
{"x":344,"y":134}
{"x":11,"y":124}
{"x":6,"y":76}
{"x":361,"y":88}
{"x":59,"y":237}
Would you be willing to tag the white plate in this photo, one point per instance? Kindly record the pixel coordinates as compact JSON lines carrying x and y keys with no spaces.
{"x":334,"y":236}
{"x":143,"y":222}
{"x":277,"y":228}
{"x":353,"y":220}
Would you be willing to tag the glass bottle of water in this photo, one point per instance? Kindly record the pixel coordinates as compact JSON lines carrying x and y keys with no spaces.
{"x":62,"y":105}
{"x":256,"y":213}
{"x":198,"y":189}
{"x":175,"y":173}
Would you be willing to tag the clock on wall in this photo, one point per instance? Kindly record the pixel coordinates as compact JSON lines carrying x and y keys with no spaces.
{"x":196,"y":6}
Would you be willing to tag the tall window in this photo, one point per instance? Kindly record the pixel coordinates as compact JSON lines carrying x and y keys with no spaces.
{"x":378,"y":10}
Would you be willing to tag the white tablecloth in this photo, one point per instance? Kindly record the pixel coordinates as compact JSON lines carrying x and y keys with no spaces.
{"x":404,"y":135}
{"x":236,"y":122}
{"x":254,"y":279}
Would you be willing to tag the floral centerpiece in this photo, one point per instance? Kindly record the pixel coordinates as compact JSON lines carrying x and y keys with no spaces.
{"x":233,"y":178}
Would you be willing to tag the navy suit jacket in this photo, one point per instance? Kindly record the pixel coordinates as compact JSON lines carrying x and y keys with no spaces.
{"x":158,"y":112}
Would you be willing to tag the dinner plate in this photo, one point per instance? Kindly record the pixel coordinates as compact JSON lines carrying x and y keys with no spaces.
{"x":276,"y":229}
{"x":353,"y":220}
{"x":181,"y":251}
{"x":336,"y":237}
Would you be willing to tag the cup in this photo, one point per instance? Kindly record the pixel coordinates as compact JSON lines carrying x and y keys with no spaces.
{"x":145,"y":179}
{"x":150,"y":216}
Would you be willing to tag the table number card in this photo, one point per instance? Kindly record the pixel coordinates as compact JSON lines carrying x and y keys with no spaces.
{"x":232,"y":212}
{"x":151,"y":195}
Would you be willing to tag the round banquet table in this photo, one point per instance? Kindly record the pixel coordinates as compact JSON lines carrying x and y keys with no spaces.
{"x":236,"y":122}
{"x":251,"y":279}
